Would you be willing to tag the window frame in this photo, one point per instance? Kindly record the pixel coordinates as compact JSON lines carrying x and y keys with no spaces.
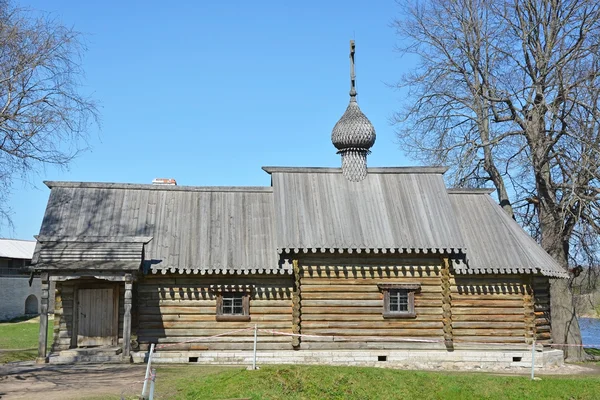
{"x":245,"y":316}
{"x":409,"y":288}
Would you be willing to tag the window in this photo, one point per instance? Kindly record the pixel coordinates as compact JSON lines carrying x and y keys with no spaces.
{"x":233,"y":306}
{"x":399,"y":299}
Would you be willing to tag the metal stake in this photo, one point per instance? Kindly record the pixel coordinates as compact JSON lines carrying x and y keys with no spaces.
{"x":533,"y":359}
{"x":151,"y":397}
{"x":147,"y":371}
{"x":254,"y":358}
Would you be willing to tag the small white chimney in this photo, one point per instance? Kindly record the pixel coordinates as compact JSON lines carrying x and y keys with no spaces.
{"x":164,"y":181}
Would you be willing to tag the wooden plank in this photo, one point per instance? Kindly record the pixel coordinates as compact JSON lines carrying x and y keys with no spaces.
{"x":209,"y":310}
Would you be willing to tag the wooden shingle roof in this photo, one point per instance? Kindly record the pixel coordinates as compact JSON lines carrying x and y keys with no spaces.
{"x":193,"y":229}
{"x":393,"y":210}
{"x":182,"y":229}
{"x":495,"y":242}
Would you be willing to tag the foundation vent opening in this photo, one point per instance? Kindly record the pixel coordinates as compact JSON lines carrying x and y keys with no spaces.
{"x":517,"y":359}
{"x":193,"y":359}
{"x":381,"y":358}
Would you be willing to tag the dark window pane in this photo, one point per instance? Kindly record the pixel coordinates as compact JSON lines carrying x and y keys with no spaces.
{"x":398,"y":301}
{"x":233,"y":304}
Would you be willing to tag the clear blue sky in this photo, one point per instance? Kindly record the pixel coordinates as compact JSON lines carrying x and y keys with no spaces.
{"x":207,"y":92}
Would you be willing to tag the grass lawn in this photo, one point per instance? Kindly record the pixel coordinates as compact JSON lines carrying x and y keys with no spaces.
{"x":21,"y":336}
{"x":330,"y":382}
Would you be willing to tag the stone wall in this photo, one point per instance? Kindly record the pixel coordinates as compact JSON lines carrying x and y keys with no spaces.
{"x":14,"y":291}
{"x":422,"y":359}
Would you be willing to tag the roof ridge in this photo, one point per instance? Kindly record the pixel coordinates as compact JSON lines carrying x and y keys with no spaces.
{"x":370,"y":170}
{"x":144,"y":186}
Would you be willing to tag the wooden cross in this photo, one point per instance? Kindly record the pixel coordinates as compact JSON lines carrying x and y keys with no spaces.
{"x":352,"y":75}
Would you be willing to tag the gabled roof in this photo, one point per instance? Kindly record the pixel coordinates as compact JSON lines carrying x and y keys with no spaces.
{"x":14,"y":248}
{"x":392,"y":210}
{"x":495,"y":242}
{"x":193,"y":229}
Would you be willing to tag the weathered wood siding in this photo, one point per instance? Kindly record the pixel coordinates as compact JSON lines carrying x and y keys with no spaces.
{"x":340,"y":298}
{"x":492,"y":309}
{"x":177,"y":311}
{"x":65,"y":304}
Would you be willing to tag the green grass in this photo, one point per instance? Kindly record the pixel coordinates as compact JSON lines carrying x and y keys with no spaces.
{"x":329,"y":382}
{"x":21,"y":337}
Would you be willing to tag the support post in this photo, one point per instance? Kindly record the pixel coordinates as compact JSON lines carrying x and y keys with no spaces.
{"x":127,"y":319}
{"x":43,"y":336}
{"x":296,"y":306}
{"x":447,"y":305}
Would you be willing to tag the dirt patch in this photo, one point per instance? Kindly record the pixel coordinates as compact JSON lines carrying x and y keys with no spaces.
{"x":54,"y":382}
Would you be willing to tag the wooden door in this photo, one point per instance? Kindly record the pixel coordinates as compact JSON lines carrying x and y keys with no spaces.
{"x":96,"y":318}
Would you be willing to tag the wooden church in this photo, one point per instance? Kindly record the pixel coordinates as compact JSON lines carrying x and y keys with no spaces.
{"x":349,"y":265}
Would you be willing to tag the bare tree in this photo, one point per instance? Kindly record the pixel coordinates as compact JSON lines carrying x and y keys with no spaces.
{"x":507,"y":93}
{"x":43,"y":117}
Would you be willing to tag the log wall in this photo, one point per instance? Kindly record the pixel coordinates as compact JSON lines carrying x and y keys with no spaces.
{"x":492,"y":309}
{"x":541,"y":306}
{"x":173,"y":310}
{"x":340,"y":297}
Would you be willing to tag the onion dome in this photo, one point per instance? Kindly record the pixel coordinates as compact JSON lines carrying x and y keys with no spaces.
{"x":353,"y":135}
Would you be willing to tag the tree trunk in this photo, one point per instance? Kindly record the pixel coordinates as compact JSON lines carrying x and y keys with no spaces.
{"x":565,"y":326}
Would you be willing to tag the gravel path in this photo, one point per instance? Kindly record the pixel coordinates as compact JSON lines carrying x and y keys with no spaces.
{"x":54,"y":382}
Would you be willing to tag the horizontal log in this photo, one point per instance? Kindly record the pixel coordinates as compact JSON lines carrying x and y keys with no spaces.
{"x":373,"y":332}
{"x":382,"y":324}
{"x":143,"y":337}
{"x":209,"y":310}
{"x":347,"y":339}
{"x":363,"y":317}
{"x":365,"y":303}
{"x":372,"y":295}
{"x":489,"y":317}
{"x":179,"y":332}
{"x":370,"y":345}
{"x":490,"y":331}
{"x":487,"y":324}
{"x":487,"y":303}
{"x":227,"y":325}
{"x":485,"y":311}
{"x":210,"y":317}
{"x":489,"y":339}
{"x":260,"y":346}
{"x":542,"y":321}
{"x":362,"y":310}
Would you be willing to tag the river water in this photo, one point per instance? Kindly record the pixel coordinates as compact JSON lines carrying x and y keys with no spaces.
{"x":590,"y":331}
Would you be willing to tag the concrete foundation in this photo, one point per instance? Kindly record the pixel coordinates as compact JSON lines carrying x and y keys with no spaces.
{"x":425,"y":359}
